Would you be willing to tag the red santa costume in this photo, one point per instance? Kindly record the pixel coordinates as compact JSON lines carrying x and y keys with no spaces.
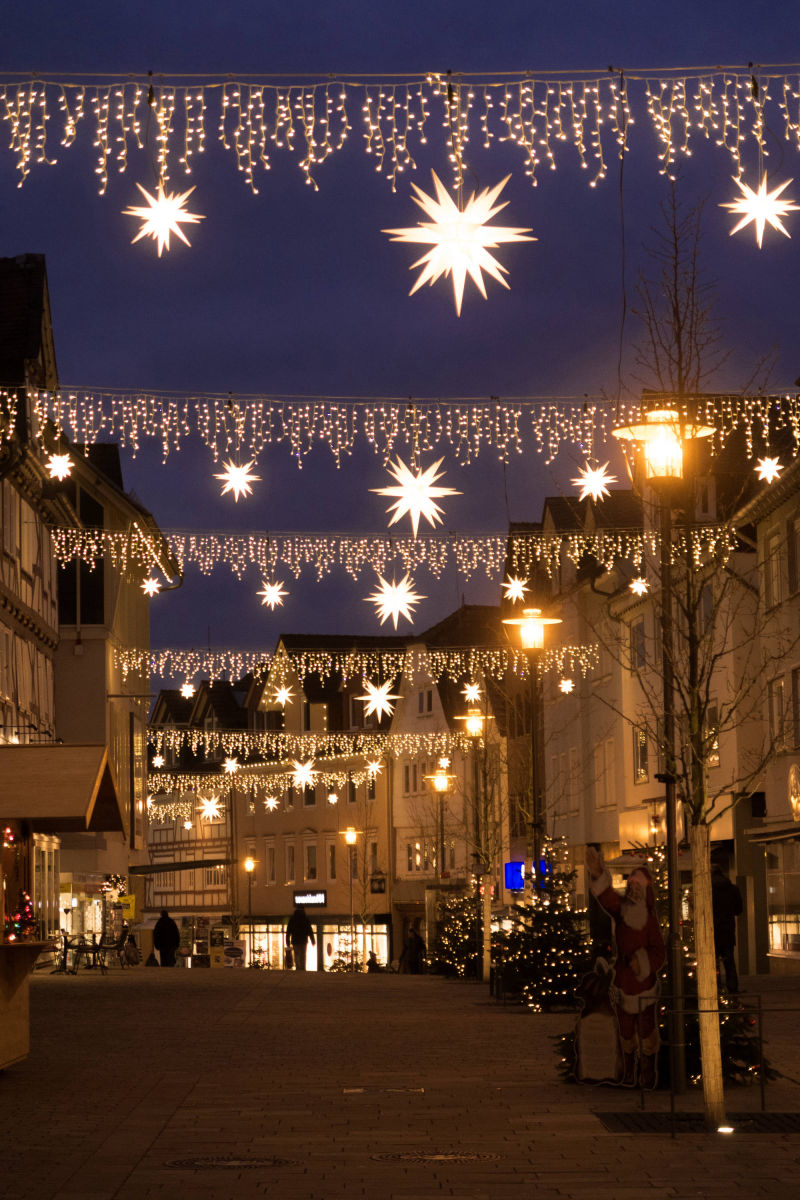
{"x":641,"y":954}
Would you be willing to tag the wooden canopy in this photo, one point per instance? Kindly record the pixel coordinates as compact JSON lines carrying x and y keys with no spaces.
{"x":59,"y":789}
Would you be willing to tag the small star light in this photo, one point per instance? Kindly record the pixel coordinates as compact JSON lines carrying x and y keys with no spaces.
{"x":768,"y":469}
{"x":151,"y":587}
{"x":237,"y":478}
{"x":566,"y":686}
{"x":592,"y":482}
{"x":210,"y":809}
{"x":271,"y":803}
{"x":471,"y":693}
{"x":395,"y":599}
{"x":158,"y":760}
{"x":187,"y":690}
{"x":162,"y":215}
{"x":639,"y":586}
{"x":761,"y":207}
{"x":378,"y":700}
{"x":284,"y":695}
{"x":514,"y":588}
{"x":415,"y":494}
{"x":303,"y":774}
{"x":231,"y":766}
{"x":272,"y":593}
{"x":460,"y":239}
{"x":59,"y":466}
{"x":374,"y":768}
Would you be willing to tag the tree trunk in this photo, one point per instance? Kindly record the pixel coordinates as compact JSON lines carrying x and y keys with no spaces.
{"x":707,"y":994}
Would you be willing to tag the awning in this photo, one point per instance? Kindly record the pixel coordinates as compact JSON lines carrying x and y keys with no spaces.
{"x":777,"y":831}
{"x":59,"y":789}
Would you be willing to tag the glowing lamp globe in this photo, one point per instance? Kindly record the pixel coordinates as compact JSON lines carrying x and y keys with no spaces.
{"x":249,"y":864}
{"x":440,"y":779}
{"x":661,"y":436}
{"x":531,"y":627}
{"x":350,"y":836}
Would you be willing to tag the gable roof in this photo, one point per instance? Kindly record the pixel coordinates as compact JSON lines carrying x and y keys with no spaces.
{"x":59,"y":789}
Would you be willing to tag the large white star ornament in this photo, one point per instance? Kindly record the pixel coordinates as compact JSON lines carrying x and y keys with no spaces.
{"x":237,"y":478}
{"x":271,"y":803}
{"x":459,"y":238}
{"x":162,"y":215}
{"x":283,"y":695}
{"x":187,"y":690}
{"x":514,"y":588}
{"x":768,"y":469}
{"x":151,"y":587}
{"x":471,"y":693}
{"x":272,"y":593}
{"x":303,"y":774}
{"x":593,"y":482}
{"x":639,"y":586}
{"x":231,"y":766}
{"x":59,"y":466}
{"x":374,"y":768}
{"x":395,"y":599}
{"x":762,"y":207}
{"x":210,"y":809}
{"x":416,"y":494}
{"x":378,"y":700}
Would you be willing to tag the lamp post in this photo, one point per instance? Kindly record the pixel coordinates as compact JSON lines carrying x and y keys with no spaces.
{"x":250,"y":866}
{"x":531,"y":626}
{"x":440,"y":781}
{"x":351,"y":837}
{"x":474,"y":721}
{"x":661,"y":437}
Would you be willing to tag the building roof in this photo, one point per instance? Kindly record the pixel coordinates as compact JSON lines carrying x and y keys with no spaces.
{"x":25,"y":320}
{"x":59,"y":789}
{"x":469,"y":625}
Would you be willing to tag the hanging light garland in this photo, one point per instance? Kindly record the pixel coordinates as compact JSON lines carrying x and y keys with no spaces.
{"x":303,"y":749}
{"x":177,"y":795}
{"x":548,"y":115}
{"x":413,"y":662}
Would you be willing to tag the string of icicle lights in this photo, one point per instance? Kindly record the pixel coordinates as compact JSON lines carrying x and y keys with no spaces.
{"x":356,"y":553}
{"x":283,"y":745}
{"x":413,"y":662}
{"x":463,"y":427}
{"x":551,"y":116}
{"x":246,"y":425}
{"x":175,"y":795}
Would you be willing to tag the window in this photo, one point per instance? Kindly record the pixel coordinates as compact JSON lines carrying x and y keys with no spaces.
{"x":290,"y":862}
{"x":371,"y":788}
{"x":216,"y":877}
{"x":641,"y":773}
{"x":351,"y":792}
{"x":332,"y":860}
{"x":711,"y":736}
{"x":638,"y":656}
{"x":290,"y":796}
{"x":164,"y":881}
{"x":777,"y":713}
{"x":309,"y":797}
{"x":793,"y":553}
{"x":310,"y":864}
{"x":425,"y":701}
{"x":269,"y":863}
{"x":573,"y":779}
{"x":605,"y":795}
{"x":373,"y":857}
{"x":796,"y":706}
{"x":772,"y":570}
{"x":353,"y":851}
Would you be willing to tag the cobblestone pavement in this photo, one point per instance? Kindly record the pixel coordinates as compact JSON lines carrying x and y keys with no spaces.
{"x":226,"y":1084}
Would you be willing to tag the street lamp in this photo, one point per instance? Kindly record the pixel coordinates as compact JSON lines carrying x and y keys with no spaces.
{"x":474,"y":721}
{"x":532,"y":626}
{"x":440,"y":781}
{"x":661,"y":436}
{"x":250,"y":866}
{"x":351,"y":837}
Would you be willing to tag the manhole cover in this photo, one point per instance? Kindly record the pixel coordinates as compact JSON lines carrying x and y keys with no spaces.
{"x":228,"y":1164}
{"x":412,"y":1157}
{"x":644,"y":1122}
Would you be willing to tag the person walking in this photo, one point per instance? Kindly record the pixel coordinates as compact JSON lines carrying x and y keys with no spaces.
{"x":299,"y":933}
{"x":166,"y":939}
{"x":726,"y":900}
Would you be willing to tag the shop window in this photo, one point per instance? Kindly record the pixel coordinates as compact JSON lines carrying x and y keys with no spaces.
{"x":783,"y":896}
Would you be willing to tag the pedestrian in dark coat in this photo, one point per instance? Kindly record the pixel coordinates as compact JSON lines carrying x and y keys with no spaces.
{"x":726,"y":900}
{"x":166,"y":939}
{"x":299,"y":932}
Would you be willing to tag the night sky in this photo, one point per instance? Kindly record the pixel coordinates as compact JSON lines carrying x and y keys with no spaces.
{"x":298,"y":291}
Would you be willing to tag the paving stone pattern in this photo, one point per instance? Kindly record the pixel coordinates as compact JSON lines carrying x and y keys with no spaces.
{"x":226,"y":1084}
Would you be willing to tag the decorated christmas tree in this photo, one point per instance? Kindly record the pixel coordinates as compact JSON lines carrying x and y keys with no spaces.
{"x":458,"y":941}
{"x":20,"y":923}
{"x":544,"y":954}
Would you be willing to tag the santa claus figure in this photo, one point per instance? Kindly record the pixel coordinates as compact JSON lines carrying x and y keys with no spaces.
{"x":640,"y":955}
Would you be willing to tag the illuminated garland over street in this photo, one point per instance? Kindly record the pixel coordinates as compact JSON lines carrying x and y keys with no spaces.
{"x":413,"y":662}
{"x":583,"y":117}
{"x":355,"y":553}
{"x":175,"y":796}
{"x":245,"y":425}
{"x":282,"y":745}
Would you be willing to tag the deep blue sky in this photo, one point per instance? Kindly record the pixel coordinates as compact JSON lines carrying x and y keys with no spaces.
{"x":298,"y":291}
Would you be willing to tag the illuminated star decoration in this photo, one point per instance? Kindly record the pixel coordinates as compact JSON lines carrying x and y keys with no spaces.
{"x":303,"y":774}
{"x":514,"y":588}
{"x":271,"y":803}
{"x":187,"y":690}
{"x":395,"y":599}
{"x":639,"y":586}
{"x":415,"y":494}
{"x":210,"y":809}
{"x":237,"y":478}
{"x":374,"y":768}
{"x":59,"y":466}
{"x":162,"y":215}
{"x":377,"y":700}
{"x":768,"y":469}
{"x":158,"y":760}
{"x":459,"y":239}
{"x":151,"y":587}
{"x":231,"y":766}
{"x":272,"y":593}
{"x":566,"y":686}
{"x":761,"y":207}
{"x":283,"y":695}
{"x":592,"y":481}
{"x":471,"y":693}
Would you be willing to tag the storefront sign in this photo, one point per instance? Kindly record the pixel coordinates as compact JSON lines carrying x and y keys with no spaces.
{"x":311,"y":899}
